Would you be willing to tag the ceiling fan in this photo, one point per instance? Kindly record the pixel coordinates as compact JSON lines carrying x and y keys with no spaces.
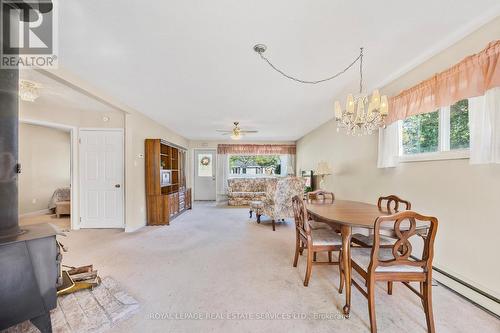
{"x":236,"y":133}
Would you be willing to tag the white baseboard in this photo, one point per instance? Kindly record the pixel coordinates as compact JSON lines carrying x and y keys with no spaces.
{"x":133,"y":228}
{"x":474,"y":295}
{"x":35,"y":213}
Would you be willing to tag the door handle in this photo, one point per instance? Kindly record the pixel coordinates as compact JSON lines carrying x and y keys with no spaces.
{"x":117,"y":185}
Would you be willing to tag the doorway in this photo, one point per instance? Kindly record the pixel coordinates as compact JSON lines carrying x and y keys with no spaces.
{"x":47,"y":180}
{"x":204,"y":174}
{"x":102,"y":178}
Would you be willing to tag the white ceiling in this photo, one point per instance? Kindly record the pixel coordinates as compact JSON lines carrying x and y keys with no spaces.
{"x":190,"y":65}
{"x":55,"y":94}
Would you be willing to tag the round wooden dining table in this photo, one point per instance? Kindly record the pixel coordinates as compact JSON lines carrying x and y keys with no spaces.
{"x":343,"y":215}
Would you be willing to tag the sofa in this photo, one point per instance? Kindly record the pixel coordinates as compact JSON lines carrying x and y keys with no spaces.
{"x":240,"y":191}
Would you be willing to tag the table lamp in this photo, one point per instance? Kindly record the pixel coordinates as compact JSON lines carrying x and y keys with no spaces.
{"x":323,"y":169}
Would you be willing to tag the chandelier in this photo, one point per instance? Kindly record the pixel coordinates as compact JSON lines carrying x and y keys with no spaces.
{"x":362,"y":114}
{"x":28,"y":90}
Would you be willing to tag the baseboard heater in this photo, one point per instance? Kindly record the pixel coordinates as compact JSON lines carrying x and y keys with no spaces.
{"x":476,"y":296}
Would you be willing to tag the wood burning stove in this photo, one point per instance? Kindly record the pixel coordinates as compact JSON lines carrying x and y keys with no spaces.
{"x":29,"y":274}
{"x":28,"y":256}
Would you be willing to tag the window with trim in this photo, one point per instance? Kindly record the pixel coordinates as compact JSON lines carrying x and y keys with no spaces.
{"x":443,"y":130}
{"x":256,"y":165}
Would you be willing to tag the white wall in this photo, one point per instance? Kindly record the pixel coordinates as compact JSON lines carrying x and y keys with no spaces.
{"x":44,"y":154}
{"x":465,"y":198}
{"x":138,"y":128}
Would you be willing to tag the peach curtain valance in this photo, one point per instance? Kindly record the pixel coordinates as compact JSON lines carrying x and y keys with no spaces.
{"x":256,"y":149}
{"x":471,"y":77}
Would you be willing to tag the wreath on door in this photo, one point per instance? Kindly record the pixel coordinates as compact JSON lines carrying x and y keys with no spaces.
{"x":205,"y":160}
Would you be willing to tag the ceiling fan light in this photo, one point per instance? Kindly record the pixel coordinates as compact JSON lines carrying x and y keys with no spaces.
{"x":235,"y":136}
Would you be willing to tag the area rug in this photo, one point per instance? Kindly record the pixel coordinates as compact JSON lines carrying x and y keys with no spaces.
{"x":94,"y":310}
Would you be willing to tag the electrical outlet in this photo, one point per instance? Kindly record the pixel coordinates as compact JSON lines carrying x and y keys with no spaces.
{"x":34,"y":201}
{"x":142,"y":209}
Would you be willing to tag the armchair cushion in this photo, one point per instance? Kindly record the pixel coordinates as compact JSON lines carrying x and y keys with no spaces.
{"x":278,"y":200}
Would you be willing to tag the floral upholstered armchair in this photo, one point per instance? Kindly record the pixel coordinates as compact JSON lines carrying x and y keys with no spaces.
{"x":278,"y":201}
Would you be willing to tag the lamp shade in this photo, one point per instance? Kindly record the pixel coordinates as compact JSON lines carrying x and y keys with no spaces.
{"x":349,"y":106}
{"x":375,"y":99}
{"x":323,"y":168}
{"x":338,"y":110}
{"x":384,"y":106}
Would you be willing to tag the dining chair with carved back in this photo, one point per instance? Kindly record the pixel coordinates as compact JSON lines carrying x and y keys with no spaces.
{"x":320,"y":197}
{"x":391,"y":204}
{"x":398,"y":263}
{"x":312,"y":240}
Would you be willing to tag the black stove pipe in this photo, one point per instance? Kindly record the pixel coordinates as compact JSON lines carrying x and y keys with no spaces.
{"x":9,"y":122}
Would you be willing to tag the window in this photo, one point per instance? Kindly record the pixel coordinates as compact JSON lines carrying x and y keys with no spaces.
{"x":440,"y":134}
{"x":421,"y":133}
{"x":256,"y":165}
{"x":459,"y":125}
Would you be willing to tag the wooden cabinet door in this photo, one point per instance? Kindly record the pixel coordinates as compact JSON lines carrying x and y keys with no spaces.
{"x":176,"y":198}
{"x":188,"y":199}
{"x":158,"y":210}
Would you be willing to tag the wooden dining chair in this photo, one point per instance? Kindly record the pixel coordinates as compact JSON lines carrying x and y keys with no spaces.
{"x":320,"y":240}
{"x":391,"y":204}
{"x":397,"y":264}
{"x":320,"y":197}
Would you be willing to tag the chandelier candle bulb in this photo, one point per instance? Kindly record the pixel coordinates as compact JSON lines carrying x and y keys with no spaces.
{"x":376,"y":99}
{"x":384,"y":106}
{"x":338,"y":110}
{"x":350,"y":104}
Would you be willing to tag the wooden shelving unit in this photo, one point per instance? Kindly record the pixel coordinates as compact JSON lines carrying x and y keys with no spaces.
{"x":164,"y":203}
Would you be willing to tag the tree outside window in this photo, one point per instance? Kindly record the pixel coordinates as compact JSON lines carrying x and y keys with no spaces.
{"x":459,"y":125}
{"x":255,"y":165}
{"x":421,"y":133}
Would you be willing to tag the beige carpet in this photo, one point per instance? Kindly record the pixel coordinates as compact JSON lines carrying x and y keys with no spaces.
{"x":216,"y":264}
{"x":63,"y":222}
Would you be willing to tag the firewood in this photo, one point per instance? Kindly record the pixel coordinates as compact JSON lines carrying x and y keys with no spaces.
{"x":93,"y":281}
{"x":84,"y":276}
{"x":81,"y":269}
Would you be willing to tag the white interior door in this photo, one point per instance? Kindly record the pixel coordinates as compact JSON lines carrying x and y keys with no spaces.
{"x":204,"y":174}
{"x":101,"y":178}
